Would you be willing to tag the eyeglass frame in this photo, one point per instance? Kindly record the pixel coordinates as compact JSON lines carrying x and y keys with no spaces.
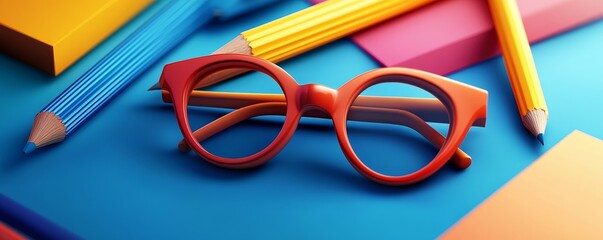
{"x":466,"y":106}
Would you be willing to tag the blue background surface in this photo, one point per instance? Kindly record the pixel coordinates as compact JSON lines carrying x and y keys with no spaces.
{"x":121,"y":176}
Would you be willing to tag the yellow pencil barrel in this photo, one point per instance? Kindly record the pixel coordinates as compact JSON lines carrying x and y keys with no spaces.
{"x":322,"y":23}
{"x":517,"y":55}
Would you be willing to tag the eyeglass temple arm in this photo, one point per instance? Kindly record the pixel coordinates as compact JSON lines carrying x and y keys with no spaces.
{"x":428,"y":109}
{"x":368,"y":114}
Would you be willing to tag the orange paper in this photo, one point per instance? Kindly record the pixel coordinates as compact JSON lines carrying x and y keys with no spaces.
{"x":560,"y":196}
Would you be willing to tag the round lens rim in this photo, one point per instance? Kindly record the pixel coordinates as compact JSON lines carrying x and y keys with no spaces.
{"x":440,"y":87}
{"x":410,"y":121}
{"x":193,"y":71}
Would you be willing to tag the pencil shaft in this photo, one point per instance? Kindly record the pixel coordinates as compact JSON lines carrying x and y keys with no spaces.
{"x":517,"y":55}
{"x":317,"y":25}
{"x":125,"y":63}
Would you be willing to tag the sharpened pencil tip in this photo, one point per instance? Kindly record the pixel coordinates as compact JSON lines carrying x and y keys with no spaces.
{"x":29,"y":147}
{"x":540,"y":138}
{"x":155,"y":87}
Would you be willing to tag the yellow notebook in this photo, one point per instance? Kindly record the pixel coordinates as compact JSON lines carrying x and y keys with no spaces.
{"x":53,"y":34}
{"x":560,"y":196}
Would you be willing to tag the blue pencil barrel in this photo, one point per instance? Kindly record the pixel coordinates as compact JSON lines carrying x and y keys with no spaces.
{"x":105,"y":80}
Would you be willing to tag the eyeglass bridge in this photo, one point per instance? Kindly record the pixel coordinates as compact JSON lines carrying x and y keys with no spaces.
{"x":316,"y":97}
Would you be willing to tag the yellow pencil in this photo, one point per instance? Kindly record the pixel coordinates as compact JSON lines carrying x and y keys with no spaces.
{"x":520,"y":66}
{"x":310,"y":28}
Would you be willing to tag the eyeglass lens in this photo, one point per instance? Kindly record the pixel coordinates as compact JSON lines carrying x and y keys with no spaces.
{"x":244,"y":138}
{"x":386,"y":142}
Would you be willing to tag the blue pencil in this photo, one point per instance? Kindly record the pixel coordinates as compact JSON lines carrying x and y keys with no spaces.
{"x":30,"y":223}
{"x":105,"y":80}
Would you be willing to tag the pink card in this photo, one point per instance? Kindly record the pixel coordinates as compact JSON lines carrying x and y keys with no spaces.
{"x":449,"y":35}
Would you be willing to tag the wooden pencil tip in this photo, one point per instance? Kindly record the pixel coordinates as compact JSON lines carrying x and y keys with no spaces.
{"x":237,"y":45}
{"x":156,"y":86}
{"x":29,"y":147}
{"x":535,"y":121}
{"x":47,"y":129}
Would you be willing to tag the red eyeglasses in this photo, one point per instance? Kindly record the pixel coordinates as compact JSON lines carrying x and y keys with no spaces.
{"x":458,"y":104}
